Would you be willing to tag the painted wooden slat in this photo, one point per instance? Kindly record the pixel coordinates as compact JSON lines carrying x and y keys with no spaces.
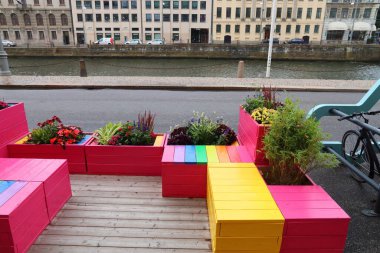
{"x":179,"y":154}
{"x":244,"y":155}
{"x":233,"y":154}
{"x":159,"y":141}
{"x":190,"y":155}
{"x":5,"y":185}
{"x":11,"y":191}
{"x":222,"y":154}
{"x":201,"y":154}
{"x":212,"y":155}
{"x":168,"y":155}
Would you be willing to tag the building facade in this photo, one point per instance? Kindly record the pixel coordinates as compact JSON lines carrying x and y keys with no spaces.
{"x":36,"y":22}
{"x":172,"y":21}
{"x":350,"y":21}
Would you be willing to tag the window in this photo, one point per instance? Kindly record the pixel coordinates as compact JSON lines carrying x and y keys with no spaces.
{"x":175,"y":4}
{"x":108,"y":35}
{"x":97,"y":5}
{"x":247,"y":28}
{"x":278,"y":14}
{"x":88,"y":17}
{"x":64,"y":19}
{"x":367,"y":13}
{"x":175,"y":17}
{"x":107,"y":17}
{"x":194,"y":5}
{"x":278,"y":29}
{"x":17,"y":35}
{"x":36,"y":2}
{"x":148,"y":36}
{"x":148,"y":17}
{"x":39,"y":19}
{"x":166,"y":5}
{"x":98,"y":17}
{"x":289,"y":13}
{"x":166,"y":17}
{"x":307,"y":28}
{"x":309,"y":12}
{"x":228,"y":28}
{"x":61,"y":2}
{"x":157,"y":36}
{"x":237,"y":28}
{"x":298,"y":28}
{"x":106,"y":4}
{"x":115,"y":5}
{"x":156,"y":4}
{"x":344,"y":13}
{"x":258,"y":13}
{"x":115,"y":17}
{"x":258,"y":29}
{"x":157,"y":18}
{"x":80,"y":17}
{"x":203,"y":5}
{"x":10,"y":2}
{"x":3,"y":20}
{"x":49,"y":2}
{"x":185,"y":17}
{"x":334,"y":35}
{"x":134,"y":17}
{"x":288,"y":28}
{"x":219,"y":12}
{"x":124,"y":17}
{"x":194,"y":18}
{"x":356,"y":12}
{"x":228,"y":12}
{"x":133,"y":4}
{"x":175,"y":37}
{"x":269,"y":11}
{"x":29,"y":34}
{"x":27,"y":21}
{"x":78,"y":4}
{"x":6,"y":35}
{"x":99,"y":36}
{"x":148,"y":4}
{"x":248,"y":12}
{"x":237,"y":12}
{"x":319,"y":12}
{"x":88,"y":4}
{"x":333,"y":13}
{"x":218,"y":28}
{"x":41,"y":35}
{"x":202,"y":18}
{"x":116,"y":36}
{"x":316,"y":29}
{"x":185,"y":4}
{"x":299,"y":13}
{"x":14,"y":19}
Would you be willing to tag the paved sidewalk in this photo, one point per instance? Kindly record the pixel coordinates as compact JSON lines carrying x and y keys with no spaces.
{"x":179,"y":83}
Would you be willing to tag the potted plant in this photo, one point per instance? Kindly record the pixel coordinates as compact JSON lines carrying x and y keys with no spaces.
{"x":293,"y":147}
{"x":13,"y":124}
{"x":254,"y":122}
{"x":130,"y":148}
{"x":53,"y":140}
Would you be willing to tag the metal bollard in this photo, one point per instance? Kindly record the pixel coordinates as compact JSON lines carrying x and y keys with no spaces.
{"x":82,"y":67}
{"x":240,"y":73}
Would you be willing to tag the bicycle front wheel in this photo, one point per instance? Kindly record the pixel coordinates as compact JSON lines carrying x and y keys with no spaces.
{"x":355,"y":151}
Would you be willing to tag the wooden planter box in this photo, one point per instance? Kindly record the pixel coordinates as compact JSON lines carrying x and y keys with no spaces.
{"x":251,"y":135}
{"x":13,"y":126}
{"x":184,"y":168}
{"x":74,"y":153}
{"x":125,"y":160}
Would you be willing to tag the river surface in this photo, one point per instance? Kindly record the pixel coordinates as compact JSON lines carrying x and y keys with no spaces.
{"x":193,"y":67}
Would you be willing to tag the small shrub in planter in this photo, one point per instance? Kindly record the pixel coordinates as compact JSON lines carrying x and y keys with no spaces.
{"x":202,"y":130}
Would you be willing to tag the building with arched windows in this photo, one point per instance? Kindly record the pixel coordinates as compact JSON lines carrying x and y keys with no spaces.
{"x":36,"y":23}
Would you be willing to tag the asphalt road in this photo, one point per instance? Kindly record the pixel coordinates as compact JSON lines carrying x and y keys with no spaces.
{"x":91,"y":109}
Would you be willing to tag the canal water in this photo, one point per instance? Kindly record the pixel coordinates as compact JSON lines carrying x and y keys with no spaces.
{"x":193,"y":67}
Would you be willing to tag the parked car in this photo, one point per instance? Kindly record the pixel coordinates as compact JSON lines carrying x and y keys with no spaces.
{"x":297,"y":41}
{"x":105,"y":41}
{"x":133,"y":42}
{"x":275,"y":41}
{"x":9,"y":43}
{"x":156,"y":42}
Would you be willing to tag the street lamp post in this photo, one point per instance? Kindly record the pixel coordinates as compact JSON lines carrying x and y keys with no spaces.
{"x":272,"y":24}
{"x":4,"y":67}
{"x":354,"y":14}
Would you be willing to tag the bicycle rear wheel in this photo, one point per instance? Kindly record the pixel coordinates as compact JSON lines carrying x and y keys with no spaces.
{"x":355,"y":151}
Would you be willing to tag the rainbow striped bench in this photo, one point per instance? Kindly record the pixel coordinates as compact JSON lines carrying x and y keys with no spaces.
{"x":184,"y":168}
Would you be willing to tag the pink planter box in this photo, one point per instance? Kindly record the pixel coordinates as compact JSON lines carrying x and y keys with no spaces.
{"x":13,"y":126}
{"x":54,"y":175}
{"x":125,"y":160}
{"x":251,"y":135}
{"x":22,"y":218}
{"x":74,"y":153}
{"x":314,"y":222}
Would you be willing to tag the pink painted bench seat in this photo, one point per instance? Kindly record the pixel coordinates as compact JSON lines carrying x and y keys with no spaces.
{"x":314,"y":222}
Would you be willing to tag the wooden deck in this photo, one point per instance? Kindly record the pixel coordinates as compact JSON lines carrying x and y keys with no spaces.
{"x":125,"y":214}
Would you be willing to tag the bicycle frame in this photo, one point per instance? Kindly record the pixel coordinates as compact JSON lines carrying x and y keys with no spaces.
{"x":369,"y":138}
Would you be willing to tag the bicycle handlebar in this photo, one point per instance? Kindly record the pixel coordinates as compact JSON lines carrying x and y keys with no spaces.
{"x":358,"y":114}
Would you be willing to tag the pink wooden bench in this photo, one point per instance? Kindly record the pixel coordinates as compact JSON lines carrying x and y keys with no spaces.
{"x":13,"y":125}
{"x":314,"y":222}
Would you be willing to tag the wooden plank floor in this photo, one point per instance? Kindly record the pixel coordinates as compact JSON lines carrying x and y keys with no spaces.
{"x":125,"y":214}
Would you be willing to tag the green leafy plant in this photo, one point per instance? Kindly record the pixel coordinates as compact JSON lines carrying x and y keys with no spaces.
{"x":265,"y":98}
{"x":43,"y":135}
{"x":104,"y":134}
{"x":202,"y":129}
{"x":293,"y":146}
{"x":130,"y":134}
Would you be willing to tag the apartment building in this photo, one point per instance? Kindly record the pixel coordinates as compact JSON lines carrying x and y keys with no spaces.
{"x":249,"y":21}
{"x":350,"y":20}
{"x":173,"y":21}
{"x":36,"y":22}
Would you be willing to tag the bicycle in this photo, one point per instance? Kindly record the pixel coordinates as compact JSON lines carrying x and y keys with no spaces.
{"x":358,"y":147}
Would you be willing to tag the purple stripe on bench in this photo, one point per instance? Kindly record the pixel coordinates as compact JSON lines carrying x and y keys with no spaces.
{"x":11,"y":191}
{"x":179,"y":154}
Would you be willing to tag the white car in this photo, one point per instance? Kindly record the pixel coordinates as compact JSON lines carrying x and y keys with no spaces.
{"x":156,"y":42}
{"x":133,"y":42}
{"x":105,"y":41}
{"x":8,"y":43}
